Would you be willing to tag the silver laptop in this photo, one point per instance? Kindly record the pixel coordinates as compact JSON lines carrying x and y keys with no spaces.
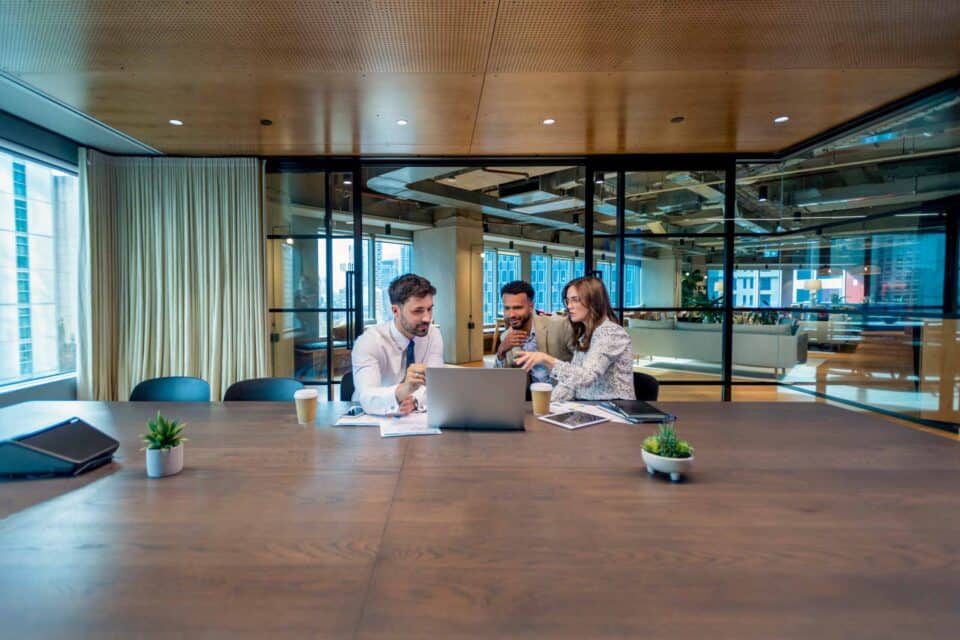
{"x":467,"y":398}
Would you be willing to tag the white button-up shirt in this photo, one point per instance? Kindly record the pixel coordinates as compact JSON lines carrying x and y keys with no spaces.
{"x":379,"y":367}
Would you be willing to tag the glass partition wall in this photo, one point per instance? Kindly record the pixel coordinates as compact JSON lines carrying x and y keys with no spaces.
{"x":471,"y":228}
{"x":659,"y":246}
{"x":832,"y":272}
{"x":312,"y":269}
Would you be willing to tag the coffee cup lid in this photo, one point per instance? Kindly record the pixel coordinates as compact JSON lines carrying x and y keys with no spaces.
{"x":541,"y":386}
{"x":305,"y":394}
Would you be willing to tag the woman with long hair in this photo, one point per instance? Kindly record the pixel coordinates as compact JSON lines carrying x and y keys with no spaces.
{"x":602,"y":365}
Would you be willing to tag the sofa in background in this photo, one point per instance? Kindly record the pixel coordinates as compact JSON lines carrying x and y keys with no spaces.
{"x":777,"y":346}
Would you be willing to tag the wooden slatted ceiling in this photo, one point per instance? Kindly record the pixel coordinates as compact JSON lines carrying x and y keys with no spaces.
{"x":477,"y":77}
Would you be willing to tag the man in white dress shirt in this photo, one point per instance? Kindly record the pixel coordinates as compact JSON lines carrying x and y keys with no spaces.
{"x":390,"y":359}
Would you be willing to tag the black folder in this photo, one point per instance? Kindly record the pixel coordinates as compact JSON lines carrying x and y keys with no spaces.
{"x":637,"y":410}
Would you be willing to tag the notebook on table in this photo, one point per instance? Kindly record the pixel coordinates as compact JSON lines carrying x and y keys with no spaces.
{"x":636,"y":410}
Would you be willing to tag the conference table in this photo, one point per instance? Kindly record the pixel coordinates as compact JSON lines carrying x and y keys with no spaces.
{"x":799,"y":521}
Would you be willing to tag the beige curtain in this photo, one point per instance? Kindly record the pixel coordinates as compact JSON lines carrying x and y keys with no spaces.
{"x":172,"y":272}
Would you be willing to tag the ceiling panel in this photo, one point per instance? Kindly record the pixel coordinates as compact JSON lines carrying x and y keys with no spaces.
{"x":250,"y":35}
{"x":315,"y":113}
{"x":631,"y":112}
{"x":476,"y":77}
{"x":686,"y":35}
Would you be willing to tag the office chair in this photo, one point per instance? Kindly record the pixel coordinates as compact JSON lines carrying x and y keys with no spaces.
{"x":346,"y":387}
{"x":263,"y":390}
{"x":171,"y":389}
{"x":645,"y":386}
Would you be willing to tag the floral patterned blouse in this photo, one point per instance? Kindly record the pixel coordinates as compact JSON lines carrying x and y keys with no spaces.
{"x":603,"y":372}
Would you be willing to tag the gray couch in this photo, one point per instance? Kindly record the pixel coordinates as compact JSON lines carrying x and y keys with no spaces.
{"x":775,"y":346}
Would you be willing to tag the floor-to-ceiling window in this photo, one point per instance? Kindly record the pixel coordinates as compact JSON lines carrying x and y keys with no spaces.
{"x":38,"y":269}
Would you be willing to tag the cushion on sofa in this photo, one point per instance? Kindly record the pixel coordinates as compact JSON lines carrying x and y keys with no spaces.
{"x":698,"y":326}
{"x":668,"y":323}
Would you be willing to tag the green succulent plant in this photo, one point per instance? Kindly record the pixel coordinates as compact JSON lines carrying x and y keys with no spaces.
{"x":666,"y":444}
{"x":164,"y":434}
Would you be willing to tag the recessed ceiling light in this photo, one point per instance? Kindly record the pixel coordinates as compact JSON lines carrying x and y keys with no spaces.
{"x":402,"y":122}
{"x":348,"y":181}
{"x":549,"y":121}
{"x":781,"y":119}
{"x":266,"y":122}
{"x":177,"y":123}
{"x":677,"y":119}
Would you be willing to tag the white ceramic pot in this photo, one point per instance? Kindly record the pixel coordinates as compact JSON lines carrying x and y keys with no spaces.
{"x":164,"y":462}
{"x":676,"y":467}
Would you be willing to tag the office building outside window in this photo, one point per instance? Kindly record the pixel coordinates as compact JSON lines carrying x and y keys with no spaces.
{"x":540,"y":280}
{"x":499,"y":268}
{"x":38,"y":268}
{"x":392,"y":259}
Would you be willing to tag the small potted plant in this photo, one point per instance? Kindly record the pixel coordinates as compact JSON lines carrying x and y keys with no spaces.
{"x":164,"y":447}
{"x":666,"y":453}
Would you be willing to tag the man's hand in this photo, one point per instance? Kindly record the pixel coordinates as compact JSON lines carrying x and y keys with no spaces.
{"x":407,"y":405}
{"x":415,"y":378}
{"x":510,"y":340}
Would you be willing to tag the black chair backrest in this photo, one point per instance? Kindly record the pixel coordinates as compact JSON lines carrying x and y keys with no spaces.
{"x":172,"y":389}
{"x":645,"y":386}
{"x":263,"y":390}
{"x":346,"y":387}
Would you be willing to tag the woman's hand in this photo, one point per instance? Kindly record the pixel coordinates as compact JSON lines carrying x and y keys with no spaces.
{"x":529,"y":359}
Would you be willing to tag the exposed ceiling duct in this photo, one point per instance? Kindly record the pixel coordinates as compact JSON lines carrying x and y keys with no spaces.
{"x":524,"y":202}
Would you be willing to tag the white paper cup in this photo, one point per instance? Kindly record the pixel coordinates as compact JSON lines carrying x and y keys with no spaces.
{"x":306,"y":400}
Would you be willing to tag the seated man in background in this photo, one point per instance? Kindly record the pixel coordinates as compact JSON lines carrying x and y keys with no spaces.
{"x":390,"y":359}
{"x":528,"y":331}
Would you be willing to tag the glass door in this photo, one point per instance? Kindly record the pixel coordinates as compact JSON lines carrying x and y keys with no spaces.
{"x":314,"y":267}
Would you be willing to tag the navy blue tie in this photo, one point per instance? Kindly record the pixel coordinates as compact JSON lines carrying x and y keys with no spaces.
{"x":411,"y":358}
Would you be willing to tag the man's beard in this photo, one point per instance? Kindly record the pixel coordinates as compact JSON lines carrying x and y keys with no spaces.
{"x":419,"y":330}
{"x":518,"y":323}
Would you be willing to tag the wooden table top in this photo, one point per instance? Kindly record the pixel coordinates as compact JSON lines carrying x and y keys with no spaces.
{"x":799,"y":521}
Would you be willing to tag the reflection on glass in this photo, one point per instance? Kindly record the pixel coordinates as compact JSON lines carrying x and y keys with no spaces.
{"x":908,"y":365}
{"x":674,"y":201}
{"x":843,"y":267}
{"x":341,"y":200}
{"x":666,"y":272}
{"x":299,"y":347}
{"x":295,"y":203}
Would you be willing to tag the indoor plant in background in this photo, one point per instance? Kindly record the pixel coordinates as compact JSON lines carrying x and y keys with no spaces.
{"x":666,"y":453}
{"x":164,"y":446}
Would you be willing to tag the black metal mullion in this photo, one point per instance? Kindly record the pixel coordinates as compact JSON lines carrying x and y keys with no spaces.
{"x":951,"y":262}
{"x":328,"y":223}
{"x":588,"y":194}
{"x":359,"y":288}
{"x":729,"y":228}
{"x":621,"y":241}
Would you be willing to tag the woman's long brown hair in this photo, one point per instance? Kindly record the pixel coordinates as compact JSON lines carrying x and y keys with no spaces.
{"x":593,"y":295}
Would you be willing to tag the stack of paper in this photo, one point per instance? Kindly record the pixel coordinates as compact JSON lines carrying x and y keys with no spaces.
{"x":362,"y":420}
{"x":413,"y":424}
